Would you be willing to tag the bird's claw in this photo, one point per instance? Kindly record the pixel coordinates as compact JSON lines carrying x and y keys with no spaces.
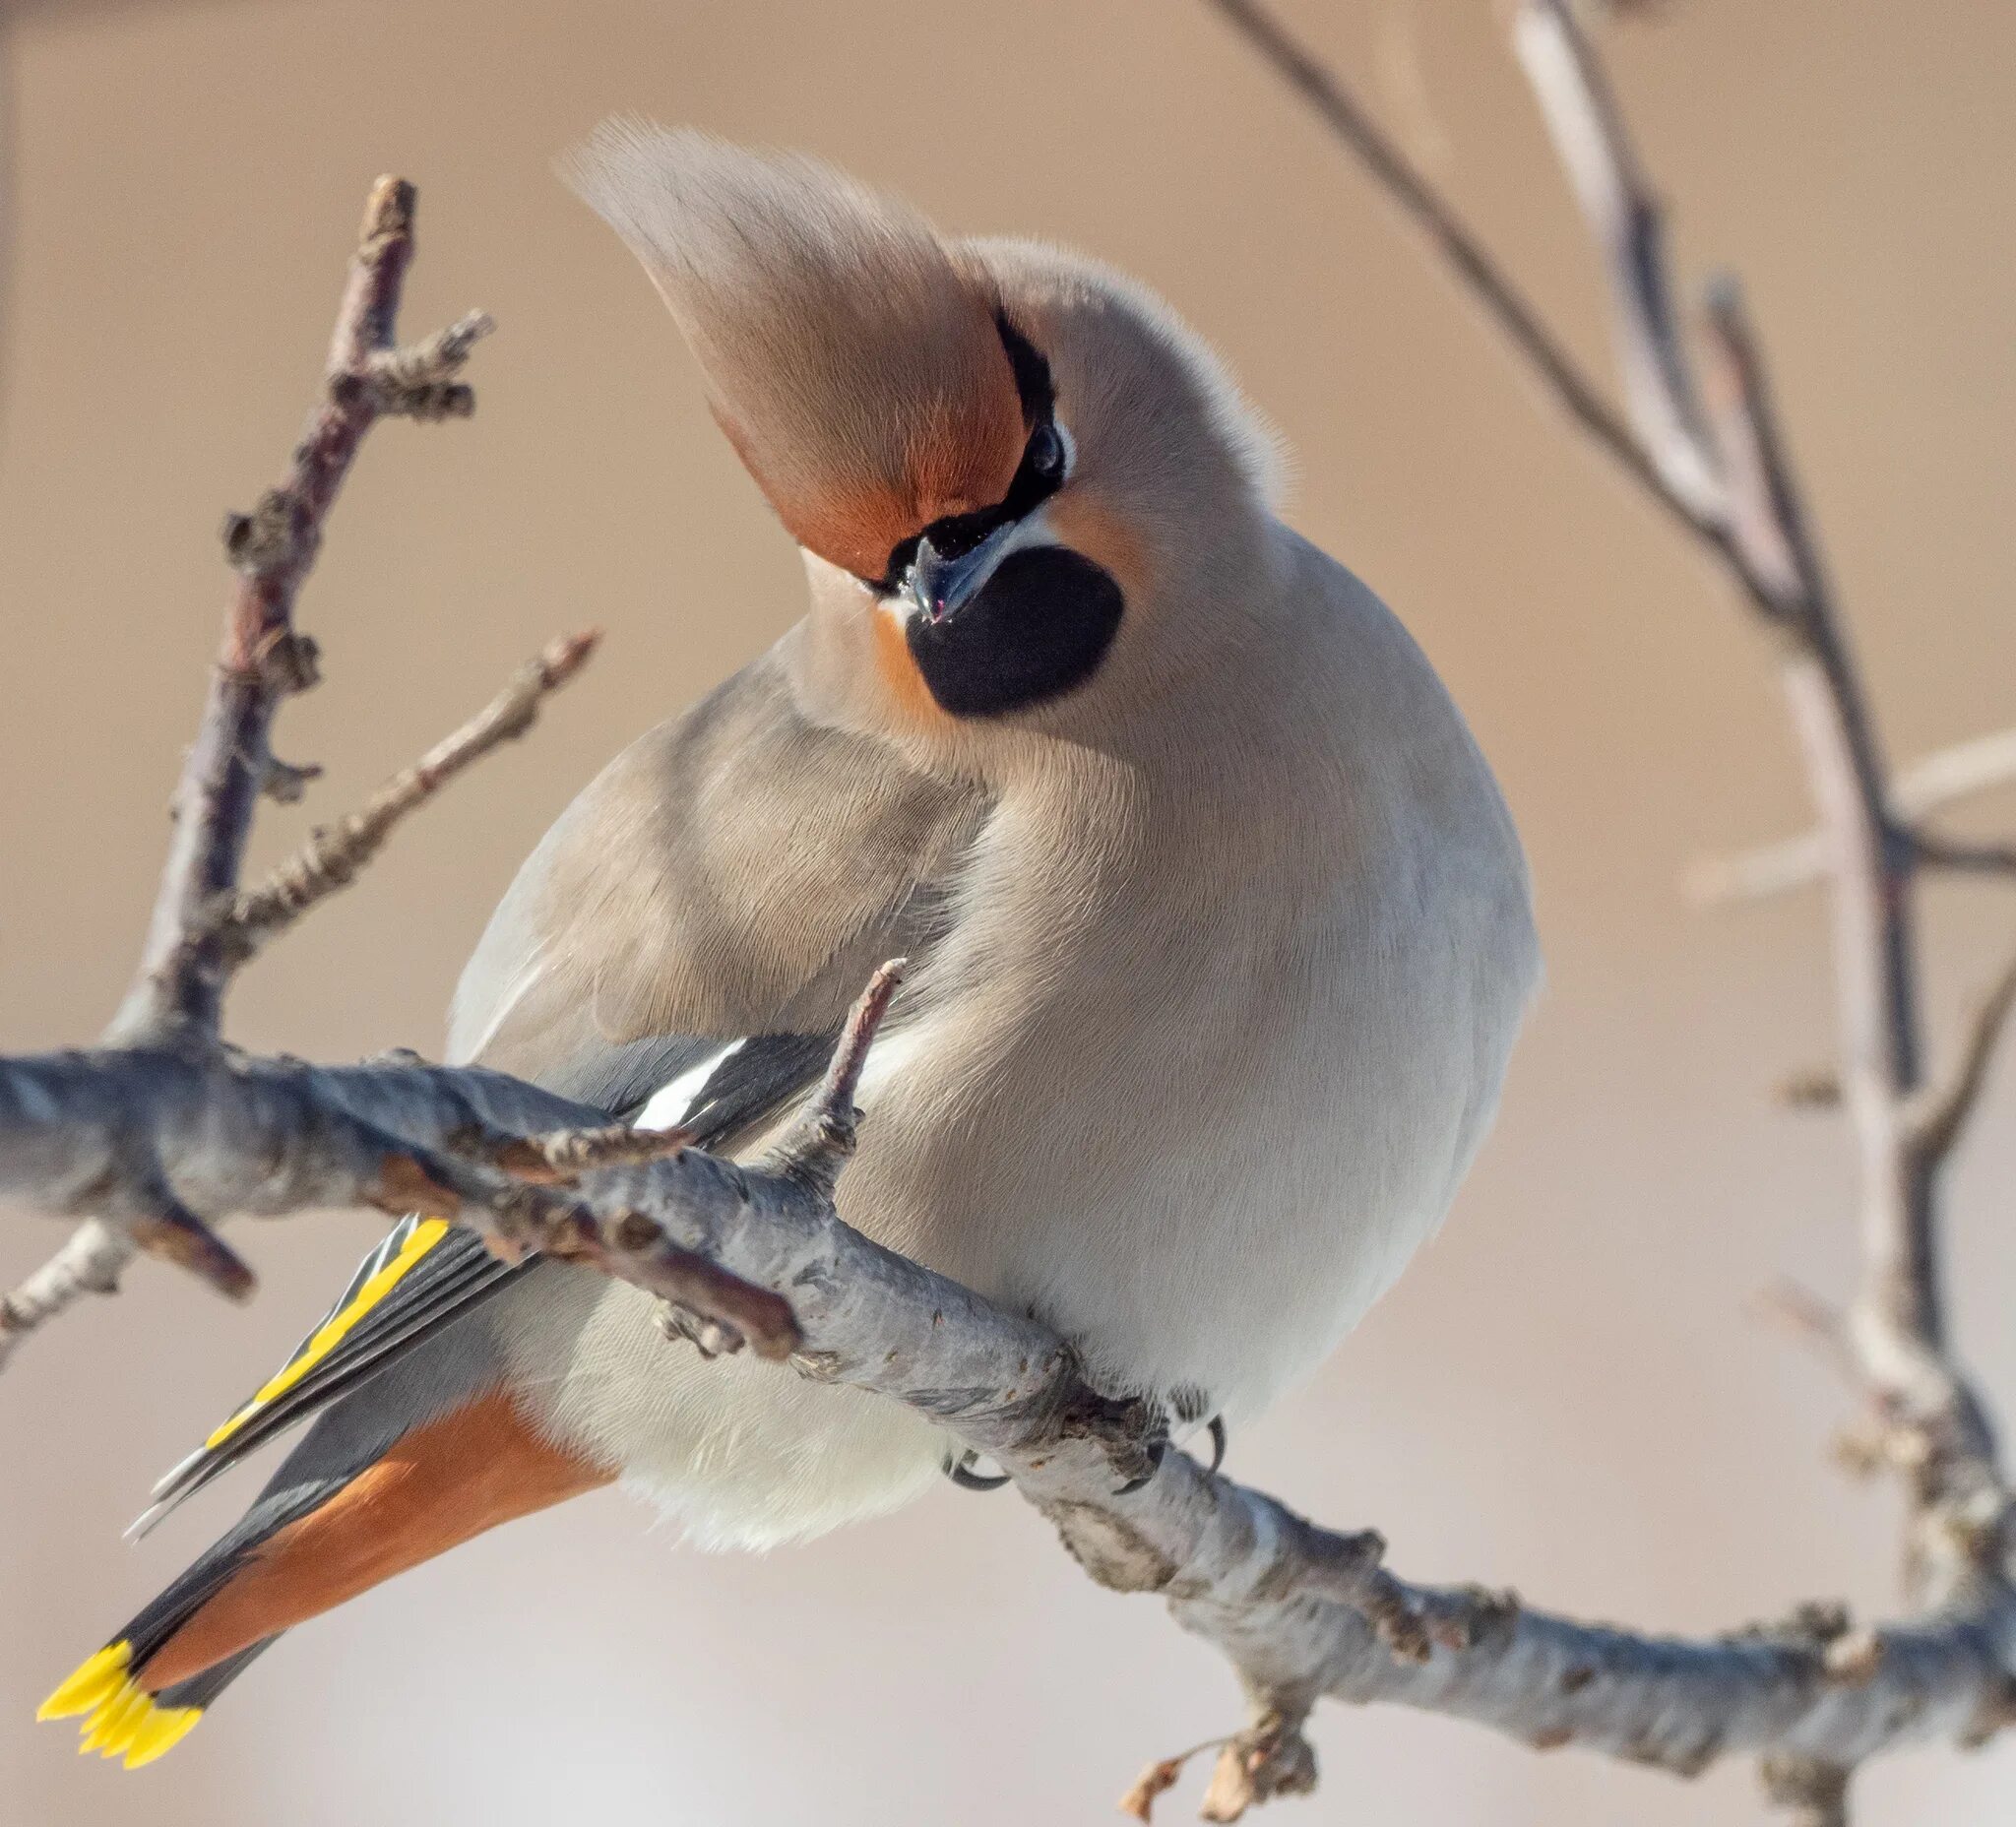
{"x":958,"y":1469}
{"x":1153,"y":1451}
{"x":1216,"y":1442}
{"x":709,"y":1337}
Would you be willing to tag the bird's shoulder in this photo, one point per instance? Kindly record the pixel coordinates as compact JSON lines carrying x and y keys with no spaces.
{"x":739,"y":869}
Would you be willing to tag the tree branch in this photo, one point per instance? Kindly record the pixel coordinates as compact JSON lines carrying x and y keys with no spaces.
{"x":1300,"y":1610}
{"x":1898,"y":1325}
{"x":225,"y":1134}
{"x":177,"y":991}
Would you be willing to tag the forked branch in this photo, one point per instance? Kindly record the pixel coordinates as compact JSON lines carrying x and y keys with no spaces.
{"x":176,"y":997}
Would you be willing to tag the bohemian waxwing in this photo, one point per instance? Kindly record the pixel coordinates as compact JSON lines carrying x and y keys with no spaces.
{"x":1219,"y":929}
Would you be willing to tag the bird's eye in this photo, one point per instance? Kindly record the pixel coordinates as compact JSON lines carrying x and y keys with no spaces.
{"x":1047,"y":452}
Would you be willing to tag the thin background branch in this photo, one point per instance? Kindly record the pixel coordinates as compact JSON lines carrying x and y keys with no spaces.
{"x":1704,"y":441}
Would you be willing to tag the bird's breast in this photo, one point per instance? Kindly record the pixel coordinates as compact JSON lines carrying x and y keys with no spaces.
{"x":1198,"y":1128}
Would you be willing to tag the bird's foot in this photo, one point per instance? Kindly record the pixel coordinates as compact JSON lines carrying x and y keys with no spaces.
{"x":1153,"y":1452}
{"x":959,"y":1468}
{"x":710,"y":1338}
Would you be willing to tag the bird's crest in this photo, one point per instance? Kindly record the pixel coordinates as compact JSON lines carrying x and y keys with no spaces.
{"x":859,"y":374}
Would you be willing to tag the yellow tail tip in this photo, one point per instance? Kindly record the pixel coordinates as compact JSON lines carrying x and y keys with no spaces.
{"x":160,"y":1732}
{"x":94,"y":1682}
{"x":104,"y":1717}
{"x":103,"y":1731}
{"x":125,"y":1724}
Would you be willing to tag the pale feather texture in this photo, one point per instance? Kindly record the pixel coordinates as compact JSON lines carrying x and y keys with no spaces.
{"x":1194,"y":1058}
{"x":1217,"y":961}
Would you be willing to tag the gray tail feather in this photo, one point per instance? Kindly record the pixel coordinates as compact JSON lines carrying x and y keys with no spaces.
{"x":199,"y":1690}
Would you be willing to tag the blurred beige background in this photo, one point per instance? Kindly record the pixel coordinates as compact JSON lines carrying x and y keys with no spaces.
{"x":1564,"y":1394}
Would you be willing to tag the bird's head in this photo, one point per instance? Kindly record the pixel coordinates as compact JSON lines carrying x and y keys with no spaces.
{"x":1027,"y":482}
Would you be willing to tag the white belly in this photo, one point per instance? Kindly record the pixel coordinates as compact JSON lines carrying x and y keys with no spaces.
{"x":1202,"y":1174}
{"x":1203,"y":1212}
{"x":735,"y":1452}
{"x":1210,"y":1245}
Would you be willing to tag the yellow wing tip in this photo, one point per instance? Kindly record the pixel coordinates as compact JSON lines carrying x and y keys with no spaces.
{"x":223,"y":1431}
{"x":333,"y":1331}
{"x":94,"y":1680}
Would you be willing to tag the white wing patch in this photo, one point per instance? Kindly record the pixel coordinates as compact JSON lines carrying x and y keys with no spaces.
{"x":669,"y":1106}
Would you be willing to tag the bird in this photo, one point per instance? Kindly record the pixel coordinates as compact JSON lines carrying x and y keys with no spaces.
{"x":1219,"y":928}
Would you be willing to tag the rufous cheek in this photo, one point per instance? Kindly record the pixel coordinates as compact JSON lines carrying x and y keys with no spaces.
{"x":857,"y":521}
{"x":896,"y":667}
{"x":1087,"y":525}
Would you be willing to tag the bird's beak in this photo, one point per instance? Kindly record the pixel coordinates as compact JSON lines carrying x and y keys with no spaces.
{"x":938,"y":584}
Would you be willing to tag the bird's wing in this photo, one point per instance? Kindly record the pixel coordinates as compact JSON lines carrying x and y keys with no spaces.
{"x":679,"y":951}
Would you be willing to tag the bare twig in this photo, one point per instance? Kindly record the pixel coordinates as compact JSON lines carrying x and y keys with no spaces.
{"x":1963,"y":855}
{"x":419,"y":381}
{"x":332,"y":857}
{"x":1926,"y":787}
{"x":179,"y":986}
{"x":1942,"y":1108}
{"x":1800,"y":1313}
{"x":89,"y":1263}
{"x":1618,"y":202}
{"x":1757,"y":874}
{"x":177,"y":991}
{"x":1952,"y":774}
{"x":285,"y":782}
{"x":1778,"y":868}
{"x":821,"y":1139}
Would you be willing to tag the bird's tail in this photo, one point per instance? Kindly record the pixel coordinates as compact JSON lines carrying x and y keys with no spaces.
{"x":123,"y":1715}
{"x":344,"y":1513}
{"x":136,"y":1698}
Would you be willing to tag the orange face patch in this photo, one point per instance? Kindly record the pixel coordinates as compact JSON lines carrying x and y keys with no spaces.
{"x":947,"y":469}
{"x":897,"y":667}
{"x":1087,"y":525}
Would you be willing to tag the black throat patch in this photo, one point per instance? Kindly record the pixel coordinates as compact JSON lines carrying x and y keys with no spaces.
{"x":1037,"y":630}
{"x":1040,"y":625}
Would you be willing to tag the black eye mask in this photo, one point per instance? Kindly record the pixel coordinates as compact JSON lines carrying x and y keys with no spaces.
{"x":1038,"y":477}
